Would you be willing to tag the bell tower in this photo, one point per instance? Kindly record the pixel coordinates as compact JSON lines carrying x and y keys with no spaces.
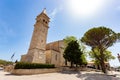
{"x":36,"y":52}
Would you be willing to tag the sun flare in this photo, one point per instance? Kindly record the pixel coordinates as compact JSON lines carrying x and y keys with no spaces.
{"x":85,"y":8}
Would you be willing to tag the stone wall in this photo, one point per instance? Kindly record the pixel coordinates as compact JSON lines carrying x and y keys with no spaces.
{"x":9,"y":68}
{"x":48,"y":56}
{"x":55,"y":59}
{"x":33,"y":71}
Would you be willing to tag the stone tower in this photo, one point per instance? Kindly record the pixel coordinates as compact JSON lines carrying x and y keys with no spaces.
{"x":36,"y":52}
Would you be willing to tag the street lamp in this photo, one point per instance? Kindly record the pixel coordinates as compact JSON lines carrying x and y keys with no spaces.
{"x":119,"y":57}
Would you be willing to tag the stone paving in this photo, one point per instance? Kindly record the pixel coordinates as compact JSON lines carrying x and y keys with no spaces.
{"x":66,"y":75}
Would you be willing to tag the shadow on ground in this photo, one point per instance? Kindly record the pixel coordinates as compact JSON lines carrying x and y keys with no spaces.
{"x":8,"y":74}
{"x":71,"y":72}
{"x":96,"y":76}
{"x":91,"y":76}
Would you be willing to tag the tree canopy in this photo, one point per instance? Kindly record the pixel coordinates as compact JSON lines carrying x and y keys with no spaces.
{"x":74,"y":51}
{"x":4,"y":62}
{"x":68,"y":39}
{"x":100,"y":36}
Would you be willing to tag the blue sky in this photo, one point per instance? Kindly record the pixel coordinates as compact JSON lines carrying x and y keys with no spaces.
{"x":68,"y":17}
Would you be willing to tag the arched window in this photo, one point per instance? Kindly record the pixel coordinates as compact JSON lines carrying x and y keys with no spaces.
{"x":43,"y":20}
{"x":46,"y":22}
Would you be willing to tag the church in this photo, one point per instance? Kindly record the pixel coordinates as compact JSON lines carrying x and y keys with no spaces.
{"x":41,"y":52}
{"x":46,"y":53}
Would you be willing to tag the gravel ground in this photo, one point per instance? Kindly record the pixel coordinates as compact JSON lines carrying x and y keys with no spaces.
{"x":66,"y":75}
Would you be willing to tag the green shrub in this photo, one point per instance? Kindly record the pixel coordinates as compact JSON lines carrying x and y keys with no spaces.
{"x":4,"y":62}
{"x":23,"y":65}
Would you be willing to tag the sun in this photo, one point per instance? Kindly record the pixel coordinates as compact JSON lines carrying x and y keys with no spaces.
{"x":85,"y":8}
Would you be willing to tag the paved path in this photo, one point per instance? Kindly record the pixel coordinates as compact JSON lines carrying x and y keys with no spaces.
{"x":60,"y":76}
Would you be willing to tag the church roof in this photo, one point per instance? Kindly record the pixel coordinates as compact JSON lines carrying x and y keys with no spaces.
{"x":56,"y":45}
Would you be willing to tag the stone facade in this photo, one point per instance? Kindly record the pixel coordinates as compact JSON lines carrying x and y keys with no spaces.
{"x":36,"y":52}
{"x":54,"y":53}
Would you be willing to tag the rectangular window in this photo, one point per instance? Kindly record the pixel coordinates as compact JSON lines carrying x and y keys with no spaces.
{"x":56,"y":57}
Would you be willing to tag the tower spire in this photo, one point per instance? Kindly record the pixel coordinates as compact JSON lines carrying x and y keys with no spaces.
{"x":44,"y":11}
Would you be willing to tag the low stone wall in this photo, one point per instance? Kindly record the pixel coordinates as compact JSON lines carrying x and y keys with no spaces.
{"x":8,"y":68}
{"x":73,"y":69}
{"x":33,"y":71}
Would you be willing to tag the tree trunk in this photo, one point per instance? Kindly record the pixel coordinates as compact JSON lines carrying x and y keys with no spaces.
{"x":102,"y":63}
{"x":65,"y":62}
{"x":76,"y":65}
{"x":71,"y":64}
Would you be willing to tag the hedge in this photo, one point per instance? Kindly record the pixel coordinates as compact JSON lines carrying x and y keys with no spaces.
{"x":23,"y":65}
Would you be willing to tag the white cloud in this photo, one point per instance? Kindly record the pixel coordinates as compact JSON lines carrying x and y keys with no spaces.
{"x":54,"y":12}
{"x":5,"y":30}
